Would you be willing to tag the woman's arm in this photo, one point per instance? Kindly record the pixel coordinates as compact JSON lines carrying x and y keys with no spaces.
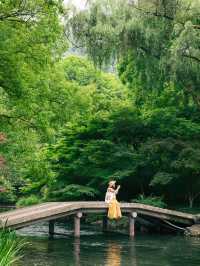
{"x":117,"y":190}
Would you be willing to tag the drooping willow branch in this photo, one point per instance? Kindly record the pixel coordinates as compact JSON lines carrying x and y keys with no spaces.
{"x":165,"y":16}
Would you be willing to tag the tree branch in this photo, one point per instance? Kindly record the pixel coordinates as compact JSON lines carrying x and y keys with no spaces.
{"x":165,"y":16}
{"x":21,"y":15}
{"x":196,"y":27}
{"x":156,"y":14}
{"x":19,"y":118}
{"x":148,"y":51}
{"x":192,"y":57}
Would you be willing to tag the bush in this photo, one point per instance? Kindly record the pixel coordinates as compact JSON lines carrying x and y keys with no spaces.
{"x":7,"y":191}
{"x":151,"y":200}
{"x":71,"y":193}
{"x":31,"y":200}
{"x":10,"y":247}
{"x":7,"y":197}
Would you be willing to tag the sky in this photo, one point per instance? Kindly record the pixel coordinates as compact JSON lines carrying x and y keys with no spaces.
{"x":78,"y":3}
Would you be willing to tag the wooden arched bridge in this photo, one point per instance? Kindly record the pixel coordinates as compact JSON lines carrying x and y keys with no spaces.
{"x":52,"y":211}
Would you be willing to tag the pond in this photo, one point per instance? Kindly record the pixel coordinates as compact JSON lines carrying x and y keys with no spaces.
{"x":112,"y":249}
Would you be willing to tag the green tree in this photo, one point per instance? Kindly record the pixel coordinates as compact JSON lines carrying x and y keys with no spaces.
{"x":153,"y":149}
{"x":154,"y":41}
{"x":31,"y":42}
{"x":89,"y":94}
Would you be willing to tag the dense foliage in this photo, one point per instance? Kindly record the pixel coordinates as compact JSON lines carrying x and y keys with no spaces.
{"x":68,"y":127}
{"x":31,"y":42}
{"x":156,"y":41}
{"x":150,"y":149}
{"x":156,"y":45}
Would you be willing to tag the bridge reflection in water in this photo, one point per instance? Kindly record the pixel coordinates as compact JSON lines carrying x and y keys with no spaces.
{"x":113,"y":257}
{"x":77,"y":251}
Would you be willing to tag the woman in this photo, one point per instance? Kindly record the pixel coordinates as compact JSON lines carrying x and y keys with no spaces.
{"x":114,"y":211}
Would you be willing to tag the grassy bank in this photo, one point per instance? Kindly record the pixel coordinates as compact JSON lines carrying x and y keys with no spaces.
{"x":10,"y":247}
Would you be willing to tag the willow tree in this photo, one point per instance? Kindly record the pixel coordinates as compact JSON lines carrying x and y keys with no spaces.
{"x":156,"y":46}
{"x":156,"y":42}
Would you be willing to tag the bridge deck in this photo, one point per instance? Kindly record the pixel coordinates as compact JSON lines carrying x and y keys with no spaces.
{"x":22,"y":217}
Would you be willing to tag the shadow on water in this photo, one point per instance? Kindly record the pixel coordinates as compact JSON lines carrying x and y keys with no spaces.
{"x":97,"y":249}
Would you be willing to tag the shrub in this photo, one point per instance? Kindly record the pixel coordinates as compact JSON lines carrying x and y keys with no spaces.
{"x":151,"y":200}
{"x":27,"y":201}
{"x":7,"y":197}
{"x":72,"y":192}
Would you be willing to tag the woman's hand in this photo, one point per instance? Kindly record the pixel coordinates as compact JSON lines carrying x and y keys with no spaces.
{"x":116,"y":191}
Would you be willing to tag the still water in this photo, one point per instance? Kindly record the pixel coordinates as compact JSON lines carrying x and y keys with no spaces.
{"x":97,"y":249}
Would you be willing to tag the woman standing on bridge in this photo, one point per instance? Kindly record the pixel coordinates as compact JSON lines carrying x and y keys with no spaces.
{"x":114,"y":211}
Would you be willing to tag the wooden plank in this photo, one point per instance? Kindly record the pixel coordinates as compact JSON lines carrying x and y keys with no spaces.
{"x":77,"y":224}
{"x":39,"y":215}
{"x":131,"y":226}
{"x":25,"y":209}
{"x":54,"y":210}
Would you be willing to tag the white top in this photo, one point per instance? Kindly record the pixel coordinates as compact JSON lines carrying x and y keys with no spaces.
{"x":110,"y":195}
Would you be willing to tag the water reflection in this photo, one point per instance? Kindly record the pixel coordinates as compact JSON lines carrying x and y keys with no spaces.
{"x":113,"y":255}
{"x":119,"y":252}
{"x":132,"y":252}
{"x":108,"y":250}
{"x":77,"y":252}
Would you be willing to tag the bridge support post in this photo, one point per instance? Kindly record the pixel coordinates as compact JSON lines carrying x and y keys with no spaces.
{"x":132,"y":217}
{"x":51,"y":227}
{"x":77,"y":224}
{"x":105,"y":224}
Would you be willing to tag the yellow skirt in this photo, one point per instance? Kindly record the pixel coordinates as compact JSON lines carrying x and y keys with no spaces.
{"x":114,"y":211}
